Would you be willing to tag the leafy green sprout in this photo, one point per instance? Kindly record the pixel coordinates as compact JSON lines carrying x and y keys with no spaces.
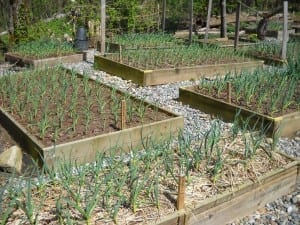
{"x":43,"y":48}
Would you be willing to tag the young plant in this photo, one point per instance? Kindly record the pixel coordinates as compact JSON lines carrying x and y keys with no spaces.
{"x":29,"y":205}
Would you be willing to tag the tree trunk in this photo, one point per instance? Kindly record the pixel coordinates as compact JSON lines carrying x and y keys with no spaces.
{"x":263,"y":23}
{"x":223,"y":19}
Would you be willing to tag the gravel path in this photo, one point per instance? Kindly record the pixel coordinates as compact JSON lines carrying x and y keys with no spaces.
{"x":283,"y":211}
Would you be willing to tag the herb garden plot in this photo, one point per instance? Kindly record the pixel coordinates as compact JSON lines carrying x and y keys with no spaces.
{"x":43,"y":53}
{"x":144,"y":41}
{"x":64,"y":115}
{"x":227,"y":43}
{"x":160,"y":66}
{"x":220,"y":173}
{"x":271,"y":98}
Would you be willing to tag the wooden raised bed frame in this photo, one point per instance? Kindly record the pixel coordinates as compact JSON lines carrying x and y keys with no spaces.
{"x":85,"y":150}
{"x":116,"y":47}
{"x":163,"y":76}
{"x":240,"y":201}
{"x":269,"y":60}
{"x":51,"y":61}
{"x":285,"y":126}
{"x":219,"y":42}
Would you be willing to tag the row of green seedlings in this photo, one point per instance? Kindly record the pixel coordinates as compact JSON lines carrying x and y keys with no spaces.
{"x":55,"y":101}
{"x":273,"y":49}
{"x":273,"y":25}
{"x":192,"y":55}
{"x":121,"y":181}
{"x":152,"y":40}
{"x":267,"y":91}
{"x":43,"y":48}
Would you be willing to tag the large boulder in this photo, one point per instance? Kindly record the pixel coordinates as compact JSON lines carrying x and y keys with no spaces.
{"x":11,"y":160}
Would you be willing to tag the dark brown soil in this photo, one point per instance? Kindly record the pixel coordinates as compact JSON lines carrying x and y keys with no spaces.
{"x":90,"y":120}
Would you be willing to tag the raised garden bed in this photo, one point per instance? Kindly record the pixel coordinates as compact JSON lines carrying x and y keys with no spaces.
{"x":240,"y":201}
{"x":134,"y":41}
{"x":216,"y":175}
{"x":153,"y":67}
{"x":82,"y":114}
{"x":252,"y":97}
{"x":43,"y":53}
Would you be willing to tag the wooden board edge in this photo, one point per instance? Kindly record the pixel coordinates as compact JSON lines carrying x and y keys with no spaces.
{"x":243,"y":205}
{"x":85,"y":150}
{"x":51,"y":61}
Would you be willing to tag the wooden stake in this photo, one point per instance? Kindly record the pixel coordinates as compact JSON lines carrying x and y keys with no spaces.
{"x":191,"y":3}
{"x":208,"y":20}
{"x":223,"y":19}
{"x":120,"y":54}
{"x":181,"y":193}
{"x":237,"y":25}
{"x":228,"y":92}
{"x":123,"y":114}
{"x":180,"y":198}
{"x":164,"y":15}
{"x":285,"y":30}
{"x":103,"y":22}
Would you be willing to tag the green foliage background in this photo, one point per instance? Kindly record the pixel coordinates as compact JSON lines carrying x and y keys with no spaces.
{"x":122,"y":15}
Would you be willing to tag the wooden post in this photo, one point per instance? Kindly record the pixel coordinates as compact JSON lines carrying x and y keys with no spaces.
{"x":123,"y":114}
{"x":181,"y":193}
{"x":164,"y":15}
{"x":237,"y":25}
{"x":223,"y":33}
{"x":120,"y":54}
{"x":228,"y":84}
{"x":191,"y":3}
{"x":180,"y":198}
{"x":208,"y":20}
{"x":103,"y":22}
{"x":285,"y":30}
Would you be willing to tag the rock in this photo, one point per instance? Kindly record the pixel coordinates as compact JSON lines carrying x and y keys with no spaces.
{"x":67,"y":38}
{"x":251,"y":221}
{"x":11,"y":160}
{"x":296,"y":199}
{"x":291,"y":209}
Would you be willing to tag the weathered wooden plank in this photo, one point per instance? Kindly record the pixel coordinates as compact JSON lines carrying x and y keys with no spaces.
{"x":52,"y":61}
{"x":269,"y":60}
{"x":85,"y":150}
{"x":254,"y":197}
{"x":121,"y":70}
{"x":242,"y":200}
{"x":171,"y":219}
